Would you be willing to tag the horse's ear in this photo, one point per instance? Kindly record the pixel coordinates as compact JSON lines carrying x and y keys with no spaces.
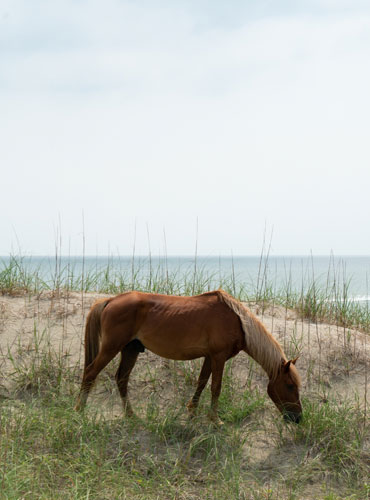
{"x":295,"y":360}
{"x":286,"y":366}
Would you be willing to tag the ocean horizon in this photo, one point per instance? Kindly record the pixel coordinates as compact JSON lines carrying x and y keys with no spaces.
{"x":296,"y":272}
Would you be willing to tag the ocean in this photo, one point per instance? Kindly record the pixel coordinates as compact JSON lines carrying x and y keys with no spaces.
{"x":350,"y":275}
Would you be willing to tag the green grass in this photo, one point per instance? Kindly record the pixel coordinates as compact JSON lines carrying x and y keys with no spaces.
{"x":335,"y":433}
{"x":15,"y":277}
{"x":49,"y":451}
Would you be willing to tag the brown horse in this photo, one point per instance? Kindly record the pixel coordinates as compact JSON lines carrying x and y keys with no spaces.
{"x":213,"y":325}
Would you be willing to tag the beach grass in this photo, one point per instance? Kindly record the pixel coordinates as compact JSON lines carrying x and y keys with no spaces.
{"x":312,"y":300}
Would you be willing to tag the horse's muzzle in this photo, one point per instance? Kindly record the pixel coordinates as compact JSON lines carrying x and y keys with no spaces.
{"x":289,"y":416}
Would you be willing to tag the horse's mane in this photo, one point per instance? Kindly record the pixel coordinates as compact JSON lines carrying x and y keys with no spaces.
{"x":260,"y":344}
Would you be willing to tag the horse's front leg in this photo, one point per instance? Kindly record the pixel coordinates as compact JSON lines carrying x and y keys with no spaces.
{"x":217,"y":367}
{"x":202,"y":382}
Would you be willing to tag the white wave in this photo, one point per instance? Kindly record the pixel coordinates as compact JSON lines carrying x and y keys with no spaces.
{"x":362,"y":298}
{"x":359,"y":298}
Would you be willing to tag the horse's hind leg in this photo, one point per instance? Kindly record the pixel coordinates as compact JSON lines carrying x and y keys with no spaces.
{"x":91,"y":372}
{"x":129,"y":356}
{"x":202,"y":382}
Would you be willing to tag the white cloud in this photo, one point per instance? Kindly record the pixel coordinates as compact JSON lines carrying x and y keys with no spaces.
{"x":128,"y":112}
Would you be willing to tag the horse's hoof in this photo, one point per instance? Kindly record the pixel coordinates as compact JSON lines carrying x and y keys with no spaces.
{"x":216,"y":421}
{"x":127,"y":409}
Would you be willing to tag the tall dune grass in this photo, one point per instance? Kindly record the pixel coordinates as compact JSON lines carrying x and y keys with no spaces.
{"x":316,"y":299}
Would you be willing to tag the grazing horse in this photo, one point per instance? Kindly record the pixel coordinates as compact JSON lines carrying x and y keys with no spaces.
{"x":213,"y":325}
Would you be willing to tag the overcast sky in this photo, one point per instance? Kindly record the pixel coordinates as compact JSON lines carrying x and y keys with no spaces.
{"x":135,"y":122}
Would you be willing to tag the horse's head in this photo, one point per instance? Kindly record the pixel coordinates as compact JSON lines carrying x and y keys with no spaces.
{"x":284,"y":391}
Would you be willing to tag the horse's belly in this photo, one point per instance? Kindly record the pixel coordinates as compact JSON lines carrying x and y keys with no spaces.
{"x":173,"y":347}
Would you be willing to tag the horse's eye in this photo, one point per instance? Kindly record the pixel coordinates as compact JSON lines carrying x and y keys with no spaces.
{"x":290,"y":387}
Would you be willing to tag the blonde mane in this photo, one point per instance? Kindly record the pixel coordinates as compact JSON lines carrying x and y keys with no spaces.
{"x":260,"y":344}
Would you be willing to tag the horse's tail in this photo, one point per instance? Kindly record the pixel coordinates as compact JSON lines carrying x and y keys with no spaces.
{"x":93,"y":330}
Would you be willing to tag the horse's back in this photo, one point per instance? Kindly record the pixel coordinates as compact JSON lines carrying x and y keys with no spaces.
{"x":144,"y":302}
